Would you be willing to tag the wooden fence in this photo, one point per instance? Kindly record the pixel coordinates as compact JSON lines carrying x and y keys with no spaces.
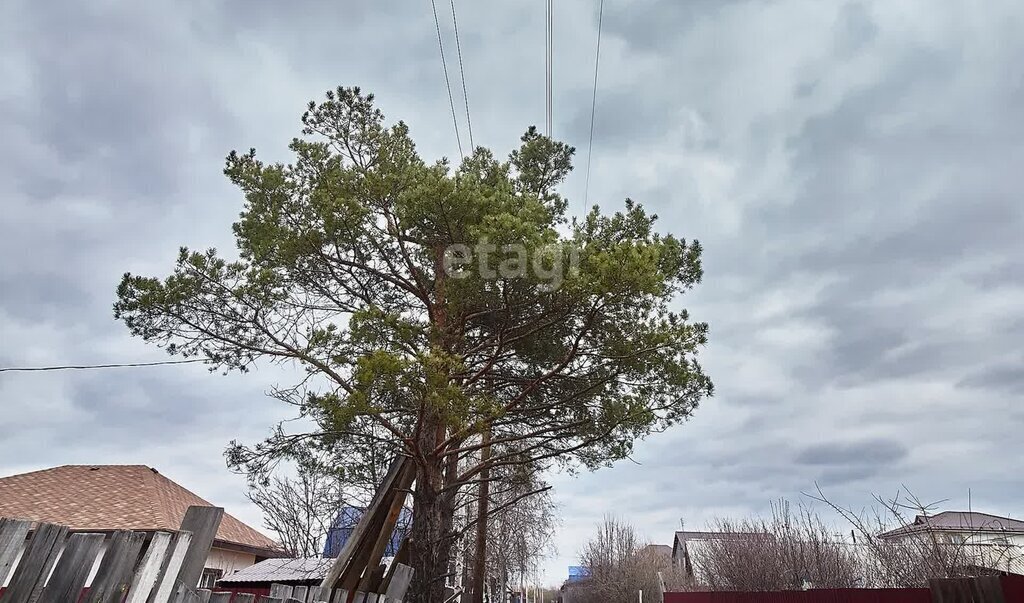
{"x":47,"y":563}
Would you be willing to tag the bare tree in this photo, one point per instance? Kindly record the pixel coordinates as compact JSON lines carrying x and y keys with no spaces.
{"x":299,"y":511}
{"x":619,"y":565}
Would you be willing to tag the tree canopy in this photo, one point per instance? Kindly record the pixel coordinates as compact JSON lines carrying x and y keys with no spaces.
{"x":428,"y":303}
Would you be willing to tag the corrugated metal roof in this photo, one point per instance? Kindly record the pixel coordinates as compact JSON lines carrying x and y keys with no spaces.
{"x":282,"y":570}
{"x":959,"y":521}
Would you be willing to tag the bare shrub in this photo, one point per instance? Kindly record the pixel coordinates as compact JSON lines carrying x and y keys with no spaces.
{"x":791,"y":550}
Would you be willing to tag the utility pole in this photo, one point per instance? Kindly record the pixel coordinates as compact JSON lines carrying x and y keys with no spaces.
{"x":482,"y":508}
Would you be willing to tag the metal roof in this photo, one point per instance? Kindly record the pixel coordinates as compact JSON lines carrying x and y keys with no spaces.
{"x":959,"y":521}
{"x":281,"y":570}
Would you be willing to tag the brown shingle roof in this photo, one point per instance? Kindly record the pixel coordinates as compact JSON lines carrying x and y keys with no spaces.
{"x":112,"y":497}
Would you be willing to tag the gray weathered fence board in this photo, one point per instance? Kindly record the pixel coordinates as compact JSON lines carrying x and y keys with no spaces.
{"x":167,"y":585}
{"x":149,"y":570}
{"x":280,"y":591}
{"x":35,"y":564}
{"x":401,"y":577}
{"x":340,"y":596}
{"x":202,"y":522}
{"x":72,"y":568}
{"x":220,"y":598}
{"x":114,"y":575}
{"x":244,"y":598}
{"x":300,"y":592}
{"x":265,"y":599}
{"x":13,"y":533}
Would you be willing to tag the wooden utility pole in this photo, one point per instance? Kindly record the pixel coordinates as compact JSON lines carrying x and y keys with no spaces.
{"x":482,"y":507}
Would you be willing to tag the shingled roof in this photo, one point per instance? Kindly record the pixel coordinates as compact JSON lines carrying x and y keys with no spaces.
{"x":116,"y":497}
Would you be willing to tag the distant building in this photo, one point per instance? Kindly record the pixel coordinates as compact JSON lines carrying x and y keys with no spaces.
{"x":988,"y":541}
{"x":106,"y":498}
{"x":687,"y":545}
{"x":293,"y":572}
{"x":577,"y":574}
{"x":345,"y":523}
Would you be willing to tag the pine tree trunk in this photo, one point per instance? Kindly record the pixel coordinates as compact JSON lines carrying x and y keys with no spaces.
{"x":432,"y":518}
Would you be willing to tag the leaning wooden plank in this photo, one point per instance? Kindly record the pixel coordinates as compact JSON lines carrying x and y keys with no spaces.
{"x":401,"y":577}
{"x":300,"y":593}
{"x":244,"y":598}
{"x":362,"y":573}
{"x":371,"y":579}
{"x":203,"y":523}
{"x":34,"y":567}
{"x":220,"y":597}
{"x":72,"y":568}
{"x":341,"y":564}
{"x":167,"y":585}
{"x":114,"y":575}
{"x":148,"y":572}
{"x":340,"y":596}
{"x":280,"y":591}
{"x":13,"y":533}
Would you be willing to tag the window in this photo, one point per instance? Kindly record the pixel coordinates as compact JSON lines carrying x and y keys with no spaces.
{"x":210,"y":577}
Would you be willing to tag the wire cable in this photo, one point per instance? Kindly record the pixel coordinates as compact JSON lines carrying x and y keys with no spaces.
{"x":549,"y":56}
{"x":462,"y":74}
{"x":81,"y":367}
{"x":447,"y":82}
{"x":593,"y":103}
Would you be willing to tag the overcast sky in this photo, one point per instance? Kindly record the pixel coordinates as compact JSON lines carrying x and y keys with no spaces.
{"x":853,"y":170}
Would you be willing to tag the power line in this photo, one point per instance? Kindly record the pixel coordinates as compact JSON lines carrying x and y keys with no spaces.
{"x":462,"y":74}
{"x":81,"y":367}
{"x":447,"y":83}
{"x":593,"y":103}
{"x":549,"y":56}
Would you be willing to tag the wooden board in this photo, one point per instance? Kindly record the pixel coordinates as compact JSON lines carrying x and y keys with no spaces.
{"x":401,"y":578}
{"x":36,"y":562}
{"x":220,"y":597}
{"x":148,"y":573}
{"x":280,"y":591}
{"x":114,"y":575}
{"x":13,"y":533}
{"x":347,"y":568}
{"x":203,"y":523}
{"x":167,"y":584}
{"x":300,"y":593}
{"x":73,"y":568}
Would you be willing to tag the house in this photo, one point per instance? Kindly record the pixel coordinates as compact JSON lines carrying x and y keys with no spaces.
{"x":686,"y":547}
{"x":986,"y":541}
{"x":106,"y":498}
{"x":256,"y":578}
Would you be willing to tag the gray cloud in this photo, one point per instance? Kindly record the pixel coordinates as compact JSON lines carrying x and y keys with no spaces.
{"x":867,"y":452}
